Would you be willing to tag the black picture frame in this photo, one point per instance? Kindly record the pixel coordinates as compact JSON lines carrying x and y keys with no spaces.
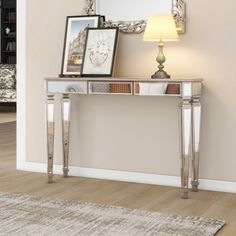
{"x":102,"y":21}
{"x":99,"y":53}
{"x":74,"y":42}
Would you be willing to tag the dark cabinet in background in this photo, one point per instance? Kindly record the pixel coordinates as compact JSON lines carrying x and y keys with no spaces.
{"x":8,"y":31}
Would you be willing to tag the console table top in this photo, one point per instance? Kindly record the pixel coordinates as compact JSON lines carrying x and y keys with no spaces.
{"x":127,"y":79}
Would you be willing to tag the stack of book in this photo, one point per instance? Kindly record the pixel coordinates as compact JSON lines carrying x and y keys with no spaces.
{"x":11,"y":60}
{"x":12,"y":16}
{"x":11,"y":46}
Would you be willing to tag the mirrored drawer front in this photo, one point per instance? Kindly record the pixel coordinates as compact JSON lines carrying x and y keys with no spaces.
{"x":156,"y":89}
{"x":110,"y":88}
{"x":79,"y":87}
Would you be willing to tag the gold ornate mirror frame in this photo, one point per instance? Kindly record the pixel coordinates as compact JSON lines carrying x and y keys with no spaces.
{"x":136,"y":27}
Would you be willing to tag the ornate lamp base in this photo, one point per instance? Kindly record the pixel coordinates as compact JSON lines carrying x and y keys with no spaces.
{"x":160,"y":74}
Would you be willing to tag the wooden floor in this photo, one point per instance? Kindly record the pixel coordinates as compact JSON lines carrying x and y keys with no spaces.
{"x":7,"y":116}
{"x":148,"y":197}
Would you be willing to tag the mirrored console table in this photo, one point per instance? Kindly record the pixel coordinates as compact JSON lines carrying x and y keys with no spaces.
{"x":188,"y":90}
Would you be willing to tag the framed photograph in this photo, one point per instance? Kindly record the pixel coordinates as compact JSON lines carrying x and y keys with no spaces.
{"x":102,"y":21}
{"x":75,"y":38}
{"x":99,"y":53}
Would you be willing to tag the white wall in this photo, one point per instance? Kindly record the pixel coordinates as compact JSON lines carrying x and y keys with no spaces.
{"x":139,"y":134}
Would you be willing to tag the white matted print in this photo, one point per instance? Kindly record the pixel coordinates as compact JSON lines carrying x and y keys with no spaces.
{"x":75,"y":38}
{"x":99,"y":52}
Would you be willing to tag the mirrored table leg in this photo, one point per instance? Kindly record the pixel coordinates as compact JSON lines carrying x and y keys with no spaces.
{"x":196,"y":112}
{"x":50,"y":134}
{"x":185,"y":133}
{"x":65,"y":132}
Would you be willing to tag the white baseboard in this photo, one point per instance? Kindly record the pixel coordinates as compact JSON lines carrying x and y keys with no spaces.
{"x":173,"y":181}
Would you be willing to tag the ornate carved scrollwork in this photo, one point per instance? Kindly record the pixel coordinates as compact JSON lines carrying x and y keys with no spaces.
{"x":179,"y":13}
{"x":129,"y":27}
{"x":89,"y":7}
{"x":136,"y":27}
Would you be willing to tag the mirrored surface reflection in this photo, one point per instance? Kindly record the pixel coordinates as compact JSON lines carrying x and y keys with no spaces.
{"x":67,"y":87}
{"x":110,"y":88}
{"x":141,"y":9}
{"x":156,"y":88}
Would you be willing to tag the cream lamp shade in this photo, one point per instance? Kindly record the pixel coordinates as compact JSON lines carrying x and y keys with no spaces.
{"x":161,"y":27}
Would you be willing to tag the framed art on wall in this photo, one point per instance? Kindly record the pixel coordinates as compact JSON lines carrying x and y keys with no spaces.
{"x":75,"y":38}
{"x":99,"y":53}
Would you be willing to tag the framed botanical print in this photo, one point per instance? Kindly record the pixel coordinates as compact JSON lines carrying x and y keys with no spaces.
{"x":99,"y":53}
{"x":75,"y":38}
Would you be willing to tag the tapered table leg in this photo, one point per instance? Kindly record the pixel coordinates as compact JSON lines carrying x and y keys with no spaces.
{"x":50,"y":135}
{"x":65,"y":132}
{"x":186,"y":131}
{"x":196,"y":113}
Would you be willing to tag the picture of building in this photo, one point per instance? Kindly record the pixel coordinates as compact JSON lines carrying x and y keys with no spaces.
{"x":76,"y":50}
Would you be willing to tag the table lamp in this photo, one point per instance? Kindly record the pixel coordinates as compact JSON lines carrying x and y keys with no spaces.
{"x":161,"y":28}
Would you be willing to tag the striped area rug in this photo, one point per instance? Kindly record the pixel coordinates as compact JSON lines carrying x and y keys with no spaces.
{"x":36,"y":216}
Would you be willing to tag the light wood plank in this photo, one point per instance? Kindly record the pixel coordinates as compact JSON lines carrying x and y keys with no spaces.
{"x":148,"y":197}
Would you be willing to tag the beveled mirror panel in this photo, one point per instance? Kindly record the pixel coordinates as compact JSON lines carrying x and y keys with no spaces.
{"x":79,"y":87}
{"x":118,"y":88}
{"x":157,"y":89}
{"x":131,"y":15}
